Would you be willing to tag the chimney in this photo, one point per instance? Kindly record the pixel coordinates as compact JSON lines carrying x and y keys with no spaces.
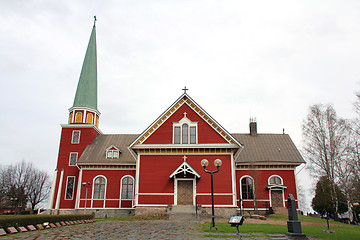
{"x":253,"y":127}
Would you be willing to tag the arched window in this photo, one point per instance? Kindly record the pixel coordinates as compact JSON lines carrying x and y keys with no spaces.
{"x":275,"y":180}
{"x":185,"y":134}
{"x":78,"y":117}
{"x":99,"y":188}
{"x":70,"y":117}
{"x":247,"y":188}
{"x":127,"y":188}
{"x":89,"y":118}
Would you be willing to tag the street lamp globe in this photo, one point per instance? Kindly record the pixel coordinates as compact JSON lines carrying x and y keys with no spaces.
{"x":204,"y":162}
{"x":217,"y":163}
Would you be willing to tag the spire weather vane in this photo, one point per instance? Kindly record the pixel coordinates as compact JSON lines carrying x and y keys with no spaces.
{"x":94,"y":20}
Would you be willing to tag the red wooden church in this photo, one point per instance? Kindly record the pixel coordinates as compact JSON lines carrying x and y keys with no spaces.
{"x":117,"y":174}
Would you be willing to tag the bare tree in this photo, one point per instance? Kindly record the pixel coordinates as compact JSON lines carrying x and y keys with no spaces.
{"x":33,"y":183}
{"x":38,"y":188}
{"x":326,"y":140}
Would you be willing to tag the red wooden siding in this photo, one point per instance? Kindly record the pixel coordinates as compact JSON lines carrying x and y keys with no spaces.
{"x":164,"y":134}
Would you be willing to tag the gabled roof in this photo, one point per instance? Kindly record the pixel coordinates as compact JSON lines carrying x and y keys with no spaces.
{"x":86,"y":92}
{"x":264,"y":149}
{"x":184,"y":168}
{"x":95,"y":153}
{"x":185,"y":99}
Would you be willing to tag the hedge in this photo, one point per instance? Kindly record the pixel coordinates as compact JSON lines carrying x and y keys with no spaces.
{"x":24,"y":220}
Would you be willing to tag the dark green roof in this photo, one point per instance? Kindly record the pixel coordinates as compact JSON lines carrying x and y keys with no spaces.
{"x":86,"y":93}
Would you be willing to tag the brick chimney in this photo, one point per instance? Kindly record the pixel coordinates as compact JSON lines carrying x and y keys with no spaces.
{"x":253,"y":127}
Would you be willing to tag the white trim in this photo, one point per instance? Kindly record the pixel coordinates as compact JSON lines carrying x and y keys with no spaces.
{"x":93,"y":189}
{"x":82,"y":126}
{"x":190,"y":124}
{"x":202,"y":145}
{"x":52,"y":192}
{"x":66,"y":188}
{"x":117,"y":169}
{"x":215,"y":194}
{"x":72,"y":137}
{"x":261,"y":169}
{"x":184,"y":168}
{"x":151,"y":205}
{"x":59,"y":190}
{"x":232,"y":206}
{"x":133,"y":190}
{"x":176,"y":188}
{"x":77,"y":157}
{"x":137,"y":176}
{"x":275,"y":175}
{"x":233,"y":178}
{"x":152,"y":194}
{"x":241,"y":187}
{"x":78,"y":192}
{"x":85,"y":108}
{"x":282,"y":192}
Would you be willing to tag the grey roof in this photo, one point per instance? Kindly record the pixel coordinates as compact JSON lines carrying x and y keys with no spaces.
{"x":264,"y":149}
{"x":268,"y":149}
{"x":95,"y":152}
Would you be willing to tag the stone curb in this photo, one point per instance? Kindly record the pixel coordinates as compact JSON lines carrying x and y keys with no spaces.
{"x":13,"y":230}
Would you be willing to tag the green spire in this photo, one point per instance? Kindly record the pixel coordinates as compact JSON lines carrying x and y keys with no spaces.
{"x":86,"y":93}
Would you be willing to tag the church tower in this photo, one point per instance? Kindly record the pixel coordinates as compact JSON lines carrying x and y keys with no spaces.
{"x":79,"y":132}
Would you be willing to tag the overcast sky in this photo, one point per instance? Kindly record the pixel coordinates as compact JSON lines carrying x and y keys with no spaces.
{"x":239,"y":59}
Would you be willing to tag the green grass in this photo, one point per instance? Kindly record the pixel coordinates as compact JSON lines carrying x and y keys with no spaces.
{"x":303,"y":218}
{"x":343,"y":232}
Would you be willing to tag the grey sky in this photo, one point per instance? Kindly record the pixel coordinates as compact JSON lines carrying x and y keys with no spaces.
{"x":267,"y":59}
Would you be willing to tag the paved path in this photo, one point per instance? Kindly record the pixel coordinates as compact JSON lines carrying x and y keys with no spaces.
{"x":151,"y":229}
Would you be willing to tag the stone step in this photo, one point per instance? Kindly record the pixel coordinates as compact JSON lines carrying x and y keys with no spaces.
{"x":182,"y":209}
{"x":181,"y":216}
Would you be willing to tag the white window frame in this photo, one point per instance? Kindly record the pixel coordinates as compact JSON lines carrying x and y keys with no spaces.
{"x":73,"y":188}
{"x":72,"y":137}
{"x":190,"y":124}
{"x":77,"y":155}
{"x":93,"y":189}
{"x":133,"y":187}
{"x":282,"y":181}
{"x":247,"y":176}
{"x":110,"y":153}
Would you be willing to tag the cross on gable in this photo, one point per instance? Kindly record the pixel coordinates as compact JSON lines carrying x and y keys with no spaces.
{"x":185,"y":113}
{"x":184,"y":157}
{"x":185,"y":89}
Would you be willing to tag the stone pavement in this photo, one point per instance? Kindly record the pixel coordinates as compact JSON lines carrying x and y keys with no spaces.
{"x":150,"y":229}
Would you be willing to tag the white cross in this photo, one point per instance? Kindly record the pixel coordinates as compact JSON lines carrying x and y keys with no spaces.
{"x":185,"y":114}
{"x":184,"y":157}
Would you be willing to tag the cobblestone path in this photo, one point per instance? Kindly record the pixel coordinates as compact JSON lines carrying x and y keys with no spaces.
{"x":151,"y":229}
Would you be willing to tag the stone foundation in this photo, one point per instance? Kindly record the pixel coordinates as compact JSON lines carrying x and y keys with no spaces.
{"x":148,"y":210}
{"x":221,"y":212}
{"x":99,"y":213}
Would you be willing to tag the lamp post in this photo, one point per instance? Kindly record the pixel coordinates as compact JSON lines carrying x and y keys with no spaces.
{"x":217,"y":164}
{"x":86,"y":186}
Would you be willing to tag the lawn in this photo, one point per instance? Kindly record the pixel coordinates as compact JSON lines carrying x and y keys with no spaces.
{"x":343,"y":231}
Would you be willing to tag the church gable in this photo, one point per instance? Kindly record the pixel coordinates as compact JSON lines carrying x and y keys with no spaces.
{"x":185,"y":122}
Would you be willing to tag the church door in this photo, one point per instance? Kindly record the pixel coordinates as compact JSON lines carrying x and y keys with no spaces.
{"x":277,"y":198}
{"x":185,"y":192}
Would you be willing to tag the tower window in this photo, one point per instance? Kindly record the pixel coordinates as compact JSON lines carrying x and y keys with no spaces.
{"x":177,"y":135}
{"x":75,"y":136}
{"x":89,"y":118}
{"x":78,"y":117}
{"x":73,"y":158}
{"x":185,"y":133}
{"x":70,"y":185}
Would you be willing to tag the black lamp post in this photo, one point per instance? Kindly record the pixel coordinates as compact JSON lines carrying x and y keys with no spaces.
{"x":86,"y":186}
{"x":217,"y":164}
